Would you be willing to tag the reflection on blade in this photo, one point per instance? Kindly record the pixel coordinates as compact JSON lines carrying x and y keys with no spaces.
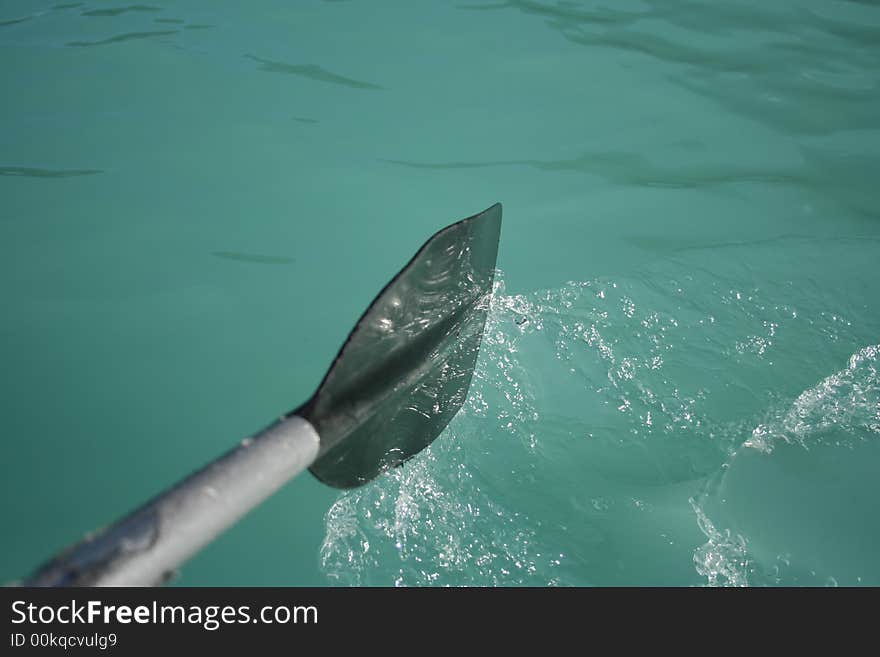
{"x":405,"y":369}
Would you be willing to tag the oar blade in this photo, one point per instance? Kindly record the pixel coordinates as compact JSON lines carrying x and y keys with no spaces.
{"x":406,"y":368}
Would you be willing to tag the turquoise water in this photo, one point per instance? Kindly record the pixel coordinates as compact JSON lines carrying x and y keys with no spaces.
{"x":679,"y":381}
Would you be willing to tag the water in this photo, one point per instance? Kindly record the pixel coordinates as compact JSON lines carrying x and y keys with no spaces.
{"x":679,"y":380}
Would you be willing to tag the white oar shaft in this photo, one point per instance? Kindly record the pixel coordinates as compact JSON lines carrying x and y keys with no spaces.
{"x":146,"y":547}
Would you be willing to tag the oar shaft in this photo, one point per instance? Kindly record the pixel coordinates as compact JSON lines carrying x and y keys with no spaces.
{"x":146,"y":547}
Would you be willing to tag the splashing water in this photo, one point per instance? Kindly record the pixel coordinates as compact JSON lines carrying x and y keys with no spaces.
{"x":845,"y":405}
{"x":601,"y":417}
{"x":827,"y":436}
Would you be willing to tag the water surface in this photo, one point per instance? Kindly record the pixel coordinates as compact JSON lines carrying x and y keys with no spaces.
{"x":679,"y":381}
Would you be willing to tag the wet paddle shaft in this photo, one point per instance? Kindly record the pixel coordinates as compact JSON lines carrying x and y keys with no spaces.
{"x":398,"y":380}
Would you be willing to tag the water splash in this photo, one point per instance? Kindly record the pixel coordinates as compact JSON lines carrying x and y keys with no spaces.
{"x":724,"y":559}
{"x":825,"y":426}
{"x":450,"y":516}
{"x":848,"y":401}
{"x":599,"y":414}
{"x":437,"y":530}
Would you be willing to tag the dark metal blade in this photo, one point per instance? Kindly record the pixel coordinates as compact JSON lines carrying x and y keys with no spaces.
{"x":405,"y":369}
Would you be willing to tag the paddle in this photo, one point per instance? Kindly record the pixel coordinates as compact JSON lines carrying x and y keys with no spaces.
{"x":398,"y":380}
